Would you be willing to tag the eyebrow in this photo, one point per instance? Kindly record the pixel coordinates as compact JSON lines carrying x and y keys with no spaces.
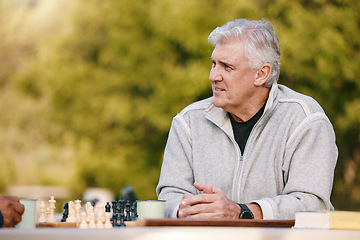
{"x":224,"y":63}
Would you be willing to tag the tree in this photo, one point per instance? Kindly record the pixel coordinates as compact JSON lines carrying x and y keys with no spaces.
{"x":95,"y":93}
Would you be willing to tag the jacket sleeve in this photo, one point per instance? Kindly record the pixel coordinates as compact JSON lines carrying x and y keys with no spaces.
{"x":1,"y":220}
{"x":176,"y":176}
{"x":308,"y":170}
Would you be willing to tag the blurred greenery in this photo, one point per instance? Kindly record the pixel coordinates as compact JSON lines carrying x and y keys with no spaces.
{"x":88,"y":89}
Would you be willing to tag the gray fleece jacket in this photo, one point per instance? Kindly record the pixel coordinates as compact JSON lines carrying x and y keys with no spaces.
{"x":287,"y":166}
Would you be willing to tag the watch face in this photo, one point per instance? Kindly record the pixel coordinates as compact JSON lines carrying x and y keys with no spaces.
{"x":246,"y":215}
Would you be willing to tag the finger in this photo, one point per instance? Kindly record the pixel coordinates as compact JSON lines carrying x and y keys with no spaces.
{"x":182,"y":207}
{"x":187,"y":202}
{"x":187,"y":195}
{"x":197,"y":210}
{"x":205,"y":188}
{"x":10,"y":198}
{"x":16,"y":219}
{"x":203,"y":216}
{"x":183,"y":203}
{"x":181,"y":214}
{"x":198,"y":199}
{"x":217,"y":190}
{"x":18,"y":208}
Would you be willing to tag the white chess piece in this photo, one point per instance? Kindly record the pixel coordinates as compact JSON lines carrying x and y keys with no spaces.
{"x":71,"y":217}
{"x":100,"y":216}
{"x":100,"y":224}
{"x":77,"y":210}
{"x":42,"y":217}
{"x":83,"y":223}
{"x":107,"y":220}
{"x":88,"y":209}
{"x":47,"y":214}
{"x":92,"y":223}
{"x":51,"y":217}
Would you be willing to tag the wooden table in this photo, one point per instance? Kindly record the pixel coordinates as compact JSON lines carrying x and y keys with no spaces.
{"x":174,"y":233}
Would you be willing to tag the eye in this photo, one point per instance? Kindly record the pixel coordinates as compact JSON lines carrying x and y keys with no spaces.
{"x":227,"y":67}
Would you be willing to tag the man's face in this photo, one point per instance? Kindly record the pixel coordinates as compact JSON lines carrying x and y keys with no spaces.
{"x":232,"y":79}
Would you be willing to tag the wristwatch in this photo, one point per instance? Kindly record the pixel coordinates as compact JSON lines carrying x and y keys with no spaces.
{"x":245,"y":212}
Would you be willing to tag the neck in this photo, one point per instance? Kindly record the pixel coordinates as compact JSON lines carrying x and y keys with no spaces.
{"x":246,"y":113}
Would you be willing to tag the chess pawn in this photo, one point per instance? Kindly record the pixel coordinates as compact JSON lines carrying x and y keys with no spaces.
{"x":122,"y":219}
{"x":92,"y":223}
{"x":107,"y":207}
{"x":83,"y":223}
{"x":135,"y":209}
{"x":100,"y":223}
{"x":100,"y":216}
{"x":132,"y":213}
{"x":47,"y":214}
{"x":107,"y":220}
{"x":42,"y":217}
{"x":88,"y":208}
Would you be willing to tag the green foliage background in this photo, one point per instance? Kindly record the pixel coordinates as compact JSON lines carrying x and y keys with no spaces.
{"x":88,"y":89}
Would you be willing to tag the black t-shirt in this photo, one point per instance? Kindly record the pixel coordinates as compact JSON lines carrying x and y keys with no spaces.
{"x":242,"y":130}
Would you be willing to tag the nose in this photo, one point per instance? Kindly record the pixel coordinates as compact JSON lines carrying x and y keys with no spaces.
{"x":215,"y":74}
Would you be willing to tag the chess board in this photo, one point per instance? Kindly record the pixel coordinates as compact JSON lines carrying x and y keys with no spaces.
{"x":122,"y":214}
{"x":75,"y":225}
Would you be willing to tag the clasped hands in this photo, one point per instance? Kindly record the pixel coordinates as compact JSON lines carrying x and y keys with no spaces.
{"x":212,"y":203}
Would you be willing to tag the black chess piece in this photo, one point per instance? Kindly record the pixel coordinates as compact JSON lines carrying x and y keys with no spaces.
{"x":132,"y":213}
{"x":107,"y":207}
{"x":127,"y":217}
{"x":66,"y":212}
{"x":119,"y":211}
{"x":135,"y":207}
{"x":114,"y":206}
{"x":122,"y":204}
{"x":115,"y":219}
{"x":122,"y":218}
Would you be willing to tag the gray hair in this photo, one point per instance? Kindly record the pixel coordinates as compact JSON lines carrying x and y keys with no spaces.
{"x":261,"y":43}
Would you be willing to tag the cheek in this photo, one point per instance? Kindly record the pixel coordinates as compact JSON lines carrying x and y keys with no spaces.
{"x":235,"y":88}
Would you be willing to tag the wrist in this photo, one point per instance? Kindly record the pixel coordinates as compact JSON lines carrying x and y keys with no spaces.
{"x":256,"y":210}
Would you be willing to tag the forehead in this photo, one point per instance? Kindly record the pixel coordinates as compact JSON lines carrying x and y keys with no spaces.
{"x":230,"y":50}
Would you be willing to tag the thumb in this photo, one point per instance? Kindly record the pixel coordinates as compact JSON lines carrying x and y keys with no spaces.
{"x":205,"y":188}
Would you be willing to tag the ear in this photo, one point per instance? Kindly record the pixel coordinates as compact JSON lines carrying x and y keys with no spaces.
{"x":262,"y":74}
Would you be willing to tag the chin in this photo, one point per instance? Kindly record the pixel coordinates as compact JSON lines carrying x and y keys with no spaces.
{"x":218,"y":103}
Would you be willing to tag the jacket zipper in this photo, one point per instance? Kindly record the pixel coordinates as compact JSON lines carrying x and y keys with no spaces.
{"x":242,"y":157}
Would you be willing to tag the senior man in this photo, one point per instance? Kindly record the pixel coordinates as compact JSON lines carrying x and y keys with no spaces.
{"x":255,"y":149}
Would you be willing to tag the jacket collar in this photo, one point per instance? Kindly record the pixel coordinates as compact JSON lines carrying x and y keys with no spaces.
{"x":220,"y":117}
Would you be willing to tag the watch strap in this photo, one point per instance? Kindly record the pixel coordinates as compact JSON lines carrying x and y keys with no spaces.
{"x":245,"y":211}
